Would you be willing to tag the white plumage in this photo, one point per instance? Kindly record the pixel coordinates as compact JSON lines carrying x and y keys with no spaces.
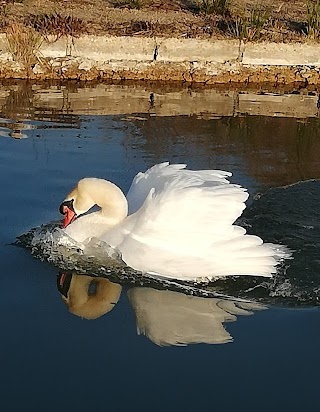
{"x":180,"y":224}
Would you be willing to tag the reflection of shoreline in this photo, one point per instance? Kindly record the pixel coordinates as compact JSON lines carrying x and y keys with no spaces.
{"x":165,"y":317}
{"x":72,"y":100}
{"x":271,"y":151}
{"x":16,"y":129}
{"x":226,"y":128}
{"x":19,"y":102}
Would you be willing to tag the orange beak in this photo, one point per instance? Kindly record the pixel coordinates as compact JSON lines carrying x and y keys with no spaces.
{"x":69,"y":217}
{"x":66,"y":209}
{"x":63,"y":283}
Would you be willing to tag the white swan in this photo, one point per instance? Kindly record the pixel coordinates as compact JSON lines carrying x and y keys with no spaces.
{"x":180,"y":224}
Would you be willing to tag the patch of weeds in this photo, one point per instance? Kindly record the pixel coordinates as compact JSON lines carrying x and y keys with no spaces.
{"x":249,"y":27}
{"x":3,"y":13}
{"x":56,"y":24}
{"x":298,"y":27}
{"x":131,"y":4}
{"x":24,"y":44}
{"x":313,"y":18}
{"x":136,"y":27}
{"x":221,"y":7}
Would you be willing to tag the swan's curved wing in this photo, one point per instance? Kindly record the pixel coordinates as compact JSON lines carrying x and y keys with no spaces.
{"x":185,"y":226}
{"x":159,"y":175}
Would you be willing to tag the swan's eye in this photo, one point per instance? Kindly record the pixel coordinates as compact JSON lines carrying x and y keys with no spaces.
{"x":67,"y":204}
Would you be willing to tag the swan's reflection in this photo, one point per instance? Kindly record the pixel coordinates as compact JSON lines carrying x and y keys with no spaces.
{"x":165,"y":317}
{"x":172,"y":318}
{"x":86,"y":296}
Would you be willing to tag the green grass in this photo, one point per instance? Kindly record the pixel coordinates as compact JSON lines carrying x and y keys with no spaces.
{"x":132,"y":4}
{"x":221,"y":7}
{"x":313,"y":18}
{"x":249,"y":27}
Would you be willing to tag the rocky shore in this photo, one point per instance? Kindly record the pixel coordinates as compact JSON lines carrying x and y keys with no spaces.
{"x":203,"y":61}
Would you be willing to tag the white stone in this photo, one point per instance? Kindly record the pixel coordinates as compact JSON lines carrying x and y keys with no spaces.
{"x":102,"y":48}
{"x":16,"y":66}
{"x":6,"y":57}
{"x":182,"y":50}
{"x":280,"y":54}
{"x":86,"y":65}
{"x":37,"y":69}
{"x":55,"y":49}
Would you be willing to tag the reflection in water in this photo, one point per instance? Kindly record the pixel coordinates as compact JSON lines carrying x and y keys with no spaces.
{"x":88,"y":297}
{"x":164,"y":316}
{"x":15,"y":129}
{"x":19,"y":104}
{"x":272,"y":135}
{"x":261,"y":132}
{"x":274,"y":151}
{"x":265,"y":140}
{"x":171,"y":318}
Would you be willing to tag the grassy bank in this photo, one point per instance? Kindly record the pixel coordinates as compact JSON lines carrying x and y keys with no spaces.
{"x":252,"y":20}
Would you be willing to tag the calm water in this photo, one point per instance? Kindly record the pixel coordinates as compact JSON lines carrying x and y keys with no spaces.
{"x":130,"y":358}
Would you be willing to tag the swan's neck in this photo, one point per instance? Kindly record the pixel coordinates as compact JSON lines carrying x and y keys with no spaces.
{"x":113,"y":203}
{"x":106,"y":195}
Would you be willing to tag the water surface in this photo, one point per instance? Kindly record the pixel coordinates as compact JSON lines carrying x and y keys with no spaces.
{"x":52,"y":359}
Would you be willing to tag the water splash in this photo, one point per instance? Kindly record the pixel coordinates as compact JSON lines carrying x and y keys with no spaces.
{"x":288,"y":216}
{"x":96,"y":258}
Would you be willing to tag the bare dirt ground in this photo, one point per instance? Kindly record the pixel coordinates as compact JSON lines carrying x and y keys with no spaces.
{"x":284,"y":21}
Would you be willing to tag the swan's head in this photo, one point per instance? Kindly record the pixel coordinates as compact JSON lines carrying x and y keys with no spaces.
{"x":91,"y":191}
{"x":78,"y":201}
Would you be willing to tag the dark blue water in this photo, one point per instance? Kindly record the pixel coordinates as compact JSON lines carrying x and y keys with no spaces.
{"x":54,"y":360}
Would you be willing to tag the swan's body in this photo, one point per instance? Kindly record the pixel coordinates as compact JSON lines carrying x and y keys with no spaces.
{"x":180,"y":224}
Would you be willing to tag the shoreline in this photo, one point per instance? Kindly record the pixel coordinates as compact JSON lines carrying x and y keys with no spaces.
{"x":207,"y":62}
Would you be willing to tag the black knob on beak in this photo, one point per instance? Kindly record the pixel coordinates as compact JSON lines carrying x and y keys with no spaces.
{"x":67,"y":204}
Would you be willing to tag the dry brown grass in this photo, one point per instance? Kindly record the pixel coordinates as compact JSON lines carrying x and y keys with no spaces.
{"x":313,"y":19}
{"x":56,"y":24}
{"x":167,"y":18}
{"x":24,"y":44}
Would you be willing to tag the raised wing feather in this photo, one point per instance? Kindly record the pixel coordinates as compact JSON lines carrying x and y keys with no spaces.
{"x":187,"y":216}
{"x":159,"y":175}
